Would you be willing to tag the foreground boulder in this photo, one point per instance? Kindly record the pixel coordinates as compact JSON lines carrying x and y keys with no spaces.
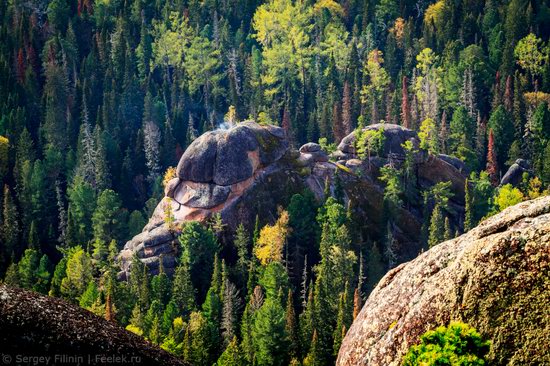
{"x":35,"y":325}
{"x":496,"y":278}
{"x":250,"y":170}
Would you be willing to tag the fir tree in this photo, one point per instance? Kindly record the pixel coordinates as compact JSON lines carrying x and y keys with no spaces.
{"x":291,"y":326}
{"x":405,"y":105}
{"x":10,"y":229}
{"x":357,"y":303}
{"x":492,"y":164}
{"x":437,"y":229}
{"x":230,"y":311}
{"x":183,"y":293}
{"x":232,"y":356}
{"x":269,"y":335}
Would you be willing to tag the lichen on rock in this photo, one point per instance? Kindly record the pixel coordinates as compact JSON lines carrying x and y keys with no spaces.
{"x":496,"y":278}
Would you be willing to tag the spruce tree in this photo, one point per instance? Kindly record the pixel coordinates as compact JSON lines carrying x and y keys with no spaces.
{"x":269,"y":335}
{"x":437,"y":228}
{"x":183,"y":293}
{"x":492,"y":163}
{"x":10,"y":229}
{"x":42,"y":275}
{"x":291,"y":326}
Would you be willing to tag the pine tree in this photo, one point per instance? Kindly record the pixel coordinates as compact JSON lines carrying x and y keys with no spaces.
{"x":42,"y":275}
{"x":78,"y":274}
{"x":11,"y":277}
{"x":82,"y":203}
{"x":90,"y":295}
{"x":58,"y":275}
{"x":307,"y":323}
{"x":338,"y":128}
{"x":109,"y":307}
{"x":269,"y":335}
{"x":242,"y":244}
{"x":405,"y":107}
{"x":340,"y":324}
{"x":183,"y":293}
{"x":468,"y":209}
{"x":508,"y":95}
{"x":232,"y":356}
{"x":151,"y":145}
{"x":291,"y":326}
{"x":10,"y":229}
{"x":492,"y":163}
{"x":357,"y":303}
{"x":160,"y":285}
{"x":347,"y":109}
{"x":230,"y":310}
{"x":437,"y":229}
{"x":448,"y":231}
{"x":314,"y":357}
{"x":27,"y":268}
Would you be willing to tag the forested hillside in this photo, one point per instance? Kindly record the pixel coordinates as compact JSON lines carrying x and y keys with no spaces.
{"x":100,"y":98}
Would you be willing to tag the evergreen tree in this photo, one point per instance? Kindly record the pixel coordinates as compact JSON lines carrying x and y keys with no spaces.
{"x":82,"y":203}
{"x":42,"y":275}
{"x":492,"y":163}
{"x":27,"y":268}
{"x":78,"y":274}
{"x":230,"y":312}
{"x":291,"y":327}
{"x":108,"y":219}
{"x":199,"y":246}
{"x":183,"y":293}
{"x":269,"y":335}
{"x":232,"y":356}
{"x":160,"y":285}
{"x":10,"y":229}
{"x":437,"y":229}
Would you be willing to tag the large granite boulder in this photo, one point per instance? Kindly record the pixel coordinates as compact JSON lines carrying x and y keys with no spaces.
{"x":250,"y":170}
{"x":212,"y":175}
{"x":395,"y":137}
{"x":226,"y":157}
{"x":495,"y":278}
{"x":514,"y":174}
{"x":33,"y":325}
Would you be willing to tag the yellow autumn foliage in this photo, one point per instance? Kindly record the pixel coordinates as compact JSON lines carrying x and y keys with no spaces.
{"x":271,"y":242}
{"x":168,"y":175}
{"x":4,"y":148}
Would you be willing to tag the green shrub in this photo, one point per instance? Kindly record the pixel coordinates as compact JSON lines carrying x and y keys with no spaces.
{"x":457,"y":344}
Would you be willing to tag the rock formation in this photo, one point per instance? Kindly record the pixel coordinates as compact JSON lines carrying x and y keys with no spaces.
{"x":35,"y":325}
{"x":250,"y":170}
{"x":495,"y":278}
{"x":514,"y":174}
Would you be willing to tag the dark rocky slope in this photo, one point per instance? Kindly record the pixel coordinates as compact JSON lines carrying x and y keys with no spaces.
{"x":35,"y":325}
{"x":250,"y":169}
{"x":495,"y":277}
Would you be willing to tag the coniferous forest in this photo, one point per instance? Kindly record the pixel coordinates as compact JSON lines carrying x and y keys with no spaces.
{"x":99,"y":99}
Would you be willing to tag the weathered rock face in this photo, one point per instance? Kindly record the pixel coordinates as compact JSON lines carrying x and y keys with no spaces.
{"x":35,"y":325}
{"x":514,"y":174}
{"x":250,"y":170}
{"x":495,"y":278}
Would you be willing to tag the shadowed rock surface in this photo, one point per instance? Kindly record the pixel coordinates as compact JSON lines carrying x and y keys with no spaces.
{"x":495,"y":278}
{"x":514,"y":174}
{"x":35,"y":325}
{"x":250,"y":170}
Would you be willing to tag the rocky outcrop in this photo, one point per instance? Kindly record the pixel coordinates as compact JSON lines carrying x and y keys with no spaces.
{"x":514,"y":174}
{"x":495,"y":278}
{"x":250,"y":170}
{"x":37,"y":325}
